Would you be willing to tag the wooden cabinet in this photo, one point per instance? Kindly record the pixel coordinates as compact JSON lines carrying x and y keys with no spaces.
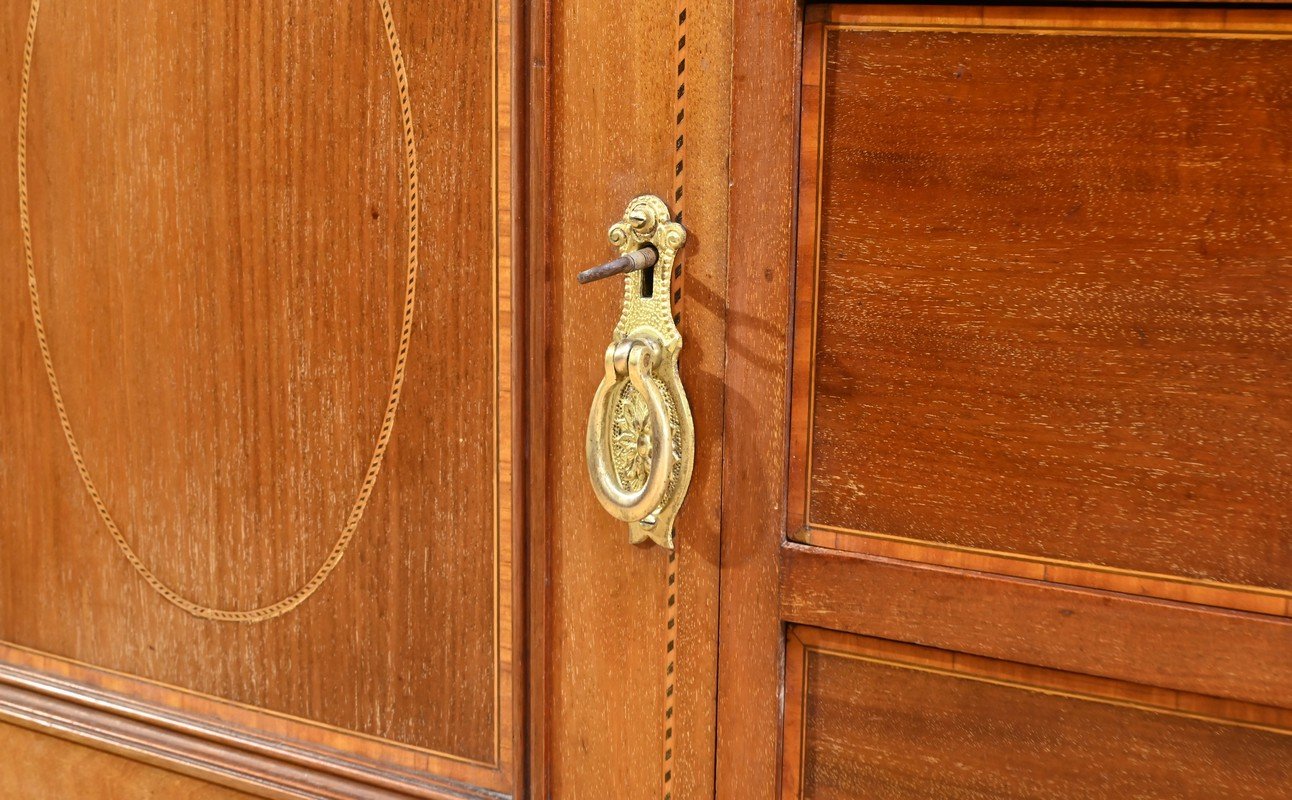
{"x":986,"y":324}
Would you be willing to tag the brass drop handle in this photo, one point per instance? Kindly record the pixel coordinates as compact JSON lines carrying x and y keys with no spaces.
{"x":640,"y":443}
{"x":648,"y":442}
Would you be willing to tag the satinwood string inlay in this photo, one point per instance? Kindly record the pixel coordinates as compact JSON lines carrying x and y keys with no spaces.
{"x":670,"y":586}
{"x":397,"y":380}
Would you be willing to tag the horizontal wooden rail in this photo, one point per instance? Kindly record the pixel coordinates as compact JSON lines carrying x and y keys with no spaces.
{"x":1230,"y":654}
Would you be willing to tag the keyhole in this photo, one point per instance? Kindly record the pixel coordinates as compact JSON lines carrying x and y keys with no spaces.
{"x":648,"y":278}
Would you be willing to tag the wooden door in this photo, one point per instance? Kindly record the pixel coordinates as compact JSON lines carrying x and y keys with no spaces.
{"x":1009,"y":517}
{"x":242,"y":236}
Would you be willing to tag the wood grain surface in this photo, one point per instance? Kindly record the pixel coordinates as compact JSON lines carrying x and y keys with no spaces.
{"x":1180,"y":646}
{"x":884,"y":720}
{"x":764,"y":111}
{"x":1049,"y":293}
{"x":218,"y":207}
{"x":610,"y":133}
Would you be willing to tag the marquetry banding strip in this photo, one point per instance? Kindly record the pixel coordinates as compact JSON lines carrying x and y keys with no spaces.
{"x":679,"y":202}
{"x":397,"y":381}
{"x":679,"y":153}
{"x":670,"y":672}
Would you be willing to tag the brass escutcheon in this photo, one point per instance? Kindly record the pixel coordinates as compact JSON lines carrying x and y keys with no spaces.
{"x":640,"y":442}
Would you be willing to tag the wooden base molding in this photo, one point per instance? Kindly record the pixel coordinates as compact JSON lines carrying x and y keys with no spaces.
{"x":205,"y":748}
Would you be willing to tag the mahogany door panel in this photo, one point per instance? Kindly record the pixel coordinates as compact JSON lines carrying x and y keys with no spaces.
{"x":877,"y":719}
{"x":270,"y":253}
{"x":1043,"y":297}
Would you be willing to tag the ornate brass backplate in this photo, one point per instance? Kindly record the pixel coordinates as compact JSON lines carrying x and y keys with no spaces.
{"x":641,"y":439}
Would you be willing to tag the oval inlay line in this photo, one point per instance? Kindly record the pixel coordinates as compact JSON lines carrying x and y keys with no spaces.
{"x":396,"y":385}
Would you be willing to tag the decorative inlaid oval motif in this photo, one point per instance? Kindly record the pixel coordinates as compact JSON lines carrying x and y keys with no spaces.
{"x":369,"y":480}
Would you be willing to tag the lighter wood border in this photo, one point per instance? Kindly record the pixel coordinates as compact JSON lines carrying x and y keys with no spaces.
{"x":165,"y":710}
{"x":1212,"y":23}
{"x":803,"y":643}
